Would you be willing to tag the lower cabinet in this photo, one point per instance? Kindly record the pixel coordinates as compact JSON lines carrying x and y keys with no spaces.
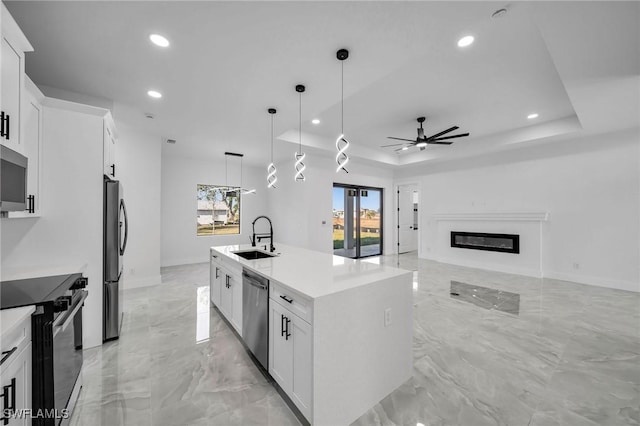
{"x":215,"y":274}
{"x":225,"y":283}
{"x":16,"y":387}
{"x":290,"y":355}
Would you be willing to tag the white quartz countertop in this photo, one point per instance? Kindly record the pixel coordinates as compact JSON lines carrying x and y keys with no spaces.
{"x":11,"y":318}
{"x":313,"y":273}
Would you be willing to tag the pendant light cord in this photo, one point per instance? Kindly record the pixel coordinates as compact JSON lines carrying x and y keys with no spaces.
{"x":300,"y":124}
{"x":272,"y":138}
{"x":342,"y":100}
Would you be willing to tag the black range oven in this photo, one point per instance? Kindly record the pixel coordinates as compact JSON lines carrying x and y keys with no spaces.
{"x":56,"y":333}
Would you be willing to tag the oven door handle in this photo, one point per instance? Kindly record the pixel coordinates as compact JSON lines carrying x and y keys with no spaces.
{"x":68,"y":317}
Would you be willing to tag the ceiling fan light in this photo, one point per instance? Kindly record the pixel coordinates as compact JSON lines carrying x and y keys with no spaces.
{"x":421,"y":144}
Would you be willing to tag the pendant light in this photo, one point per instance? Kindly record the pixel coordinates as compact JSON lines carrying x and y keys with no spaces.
{"x":299,"y":156}
{"x":271,"y":168}
{"x":228,"y":190}
{"x":341,"y":142}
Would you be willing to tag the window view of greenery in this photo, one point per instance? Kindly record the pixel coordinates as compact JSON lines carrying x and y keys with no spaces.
{"x":218,"y":210}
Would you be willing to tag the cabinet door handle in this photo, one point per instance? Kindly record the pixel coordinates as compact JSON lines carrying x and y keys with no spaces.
{"x":4,"y":125}
{"x":285,"y":298}
{"x":217,"y":273}
{"x":7,"y":354}
{"x":281,"y":325}
{"x":287,"y":334}
{"x":8,"y":392}
{"x":228,"y":284}
{"x":113,"y":170}
{"x":31,"y":206}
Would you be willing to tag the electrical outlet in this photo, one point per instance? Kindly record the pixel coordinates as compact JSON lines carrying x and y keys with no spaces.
{"x":387,"y":317}
{"x":576,"y":265}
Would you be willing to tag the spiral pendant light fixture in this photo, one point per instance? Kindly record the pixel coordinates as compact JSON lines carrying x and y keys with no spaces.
{"x":271,"y":168}
{"x":299,"y":156}
{"x":342,"y":144}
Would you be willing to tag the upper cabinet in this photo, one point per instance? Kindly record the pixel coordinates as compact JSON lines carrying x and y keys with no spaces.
{"x":109,"y":147}
{"x":31,"y":129}
{"x":14,"y":45}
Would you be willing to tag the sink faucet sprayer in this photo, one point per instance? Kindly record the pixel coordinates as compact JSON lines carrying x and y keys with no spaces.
{"x":261,"y":236}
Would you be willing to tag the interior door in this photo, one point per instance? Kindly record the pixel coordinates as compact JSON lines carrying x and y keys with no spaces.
{"x":407,"y":218}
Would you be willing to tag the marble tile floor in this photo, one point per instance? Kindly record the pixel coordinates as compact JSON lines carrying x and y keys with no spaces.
{"x":571,"y":356}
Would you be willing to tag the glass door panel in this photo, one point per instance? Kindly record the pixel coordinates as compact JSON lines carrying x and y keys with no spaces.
{"x":370,"y":222}
{"x":357,"y":221}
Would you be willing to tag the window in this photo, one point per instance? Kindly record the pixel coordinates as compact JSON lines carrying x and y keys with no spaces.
{"x":218,"y":210}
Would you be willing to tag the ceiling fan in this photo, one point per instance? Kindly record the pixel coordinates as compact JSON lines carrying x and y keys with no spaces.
{"x":421,"y":141}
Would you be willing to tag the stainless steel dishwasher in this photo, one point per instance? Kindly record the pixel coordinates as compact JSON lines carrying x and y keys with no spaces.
{"x":255,"y":315}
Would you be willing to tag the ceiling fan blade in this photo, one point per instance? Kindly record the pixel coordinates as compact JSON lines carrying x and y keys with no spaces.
{"x":401,"y":139}
{"x":452,"y":137}
{"x":451,"y":129}
{"x":439,"y":143}
{"x":394,"y":144}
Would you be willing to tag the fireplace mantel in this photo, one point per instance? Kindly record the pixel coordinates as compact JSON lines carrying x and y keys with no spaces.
{"x":495,"y":216}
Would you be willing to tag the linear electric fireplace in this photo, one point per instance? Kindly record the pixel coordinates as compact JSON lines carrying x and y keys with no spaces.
{"x":505,"y":243}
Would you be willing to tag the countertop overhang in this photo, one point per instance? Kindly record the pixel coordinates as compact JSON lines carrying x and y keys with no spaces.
{"x":312,"y":273}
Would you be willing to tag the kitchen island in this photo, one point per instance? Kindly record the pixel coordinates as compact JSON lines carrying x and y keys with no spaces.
{"x":340,"y":330}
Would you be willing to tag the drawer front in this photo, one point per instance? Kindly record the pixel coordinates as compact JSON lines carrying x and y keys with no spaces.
{"x":300,"y":306}
{"x":16,"y":341}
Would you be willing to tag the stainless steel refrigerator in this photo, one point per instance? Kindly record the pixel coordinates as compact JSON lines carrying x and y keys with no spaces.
{"x":116,"y":231}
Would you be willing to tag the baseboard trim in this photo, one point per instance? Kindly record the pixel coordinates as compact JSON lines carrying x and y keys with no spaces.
{"x":149,"y":281}
{"x":529,"y":272}
{"x":186,"y":261}
{"x":595,"y":281}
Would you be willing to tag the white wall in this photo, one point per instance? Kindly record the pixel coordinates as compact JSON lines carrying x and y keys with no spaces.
{"x":299,"y":208}
{"x":68,"y":236}
{"x":138,"y":159}
{"x":590,"y":188}
{"x":180,"y":176}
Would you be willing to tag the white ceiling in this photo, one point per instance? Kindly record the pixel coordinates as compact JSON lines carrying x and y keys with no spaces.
{"x":229,"y":61}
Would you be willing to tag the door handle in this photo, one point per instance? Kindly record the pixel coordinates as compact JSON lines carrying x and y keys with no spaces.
{"x":287,"y":334}
{"x":281,"y":325}
{"x":4,"y":125}
{"x":113,"y":170}
{"x":217,"y":273}
{"x":8,"y":393}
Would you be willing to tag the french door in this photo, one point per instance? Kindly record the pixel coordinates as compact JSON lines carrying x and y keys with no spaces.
{"x":357,"y":221}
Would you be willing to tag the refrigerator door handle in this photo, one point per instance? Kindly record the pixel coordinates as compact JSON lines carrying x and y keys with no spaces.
{"x":126,"y":227}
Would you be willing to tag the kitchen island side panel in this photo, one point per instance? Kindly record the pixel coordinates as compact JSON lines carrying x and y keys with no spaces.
{"x":357,"y":360}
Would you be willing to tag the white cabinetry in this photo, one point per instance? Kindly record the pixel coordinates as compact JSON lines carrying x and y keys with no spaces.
{"x":32,"y":146}
{"x":109,"y":148}
{"x":15,"y":371}
{"x":290,"y":351}
{"x":215,"y":277}
{"x":225,"y":280}
{"x":14,"y":45}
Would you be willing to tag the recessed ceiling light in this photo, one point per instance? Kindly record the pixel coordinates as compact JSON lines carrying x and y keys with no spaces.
{"x":465,"y":41}
{"x":154,"y":94}
{"x":159,"y":40}
{"x":404,"y":148}
{"x":532,"y":116}
{"x":315,"y":121}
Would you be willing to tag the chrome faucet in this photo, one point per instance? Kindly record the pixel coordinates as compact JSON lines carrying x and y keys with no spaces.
{"x":259,"y":237}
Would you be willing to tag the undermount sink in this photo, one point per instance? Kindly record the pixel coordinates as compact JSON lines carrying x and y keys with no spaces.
{"x":253,"y":254}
